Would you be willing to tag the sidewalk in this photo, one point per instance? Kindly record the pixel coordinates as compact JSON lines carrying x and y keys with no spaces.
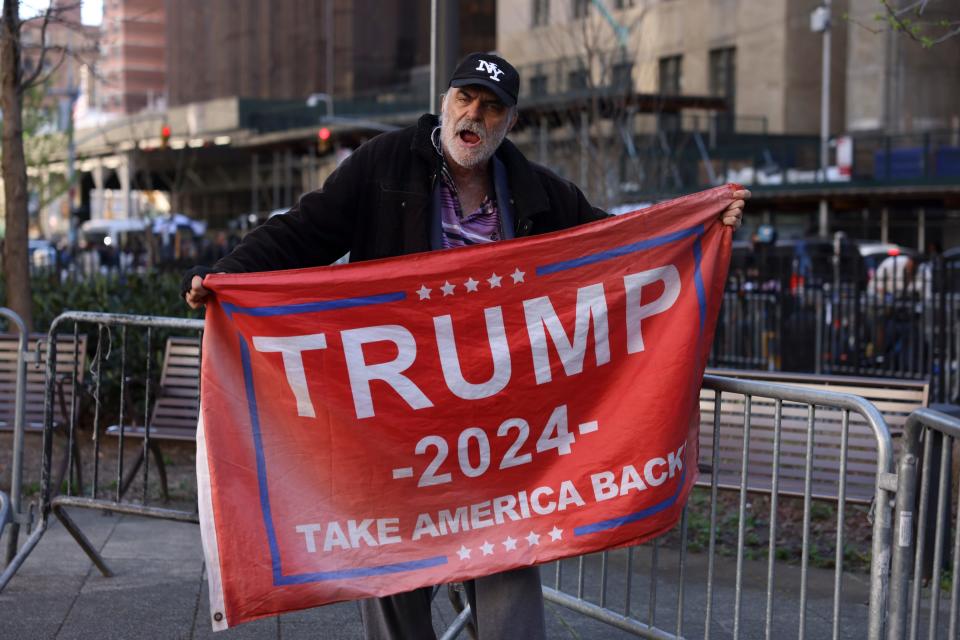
{"x":159,"y":591}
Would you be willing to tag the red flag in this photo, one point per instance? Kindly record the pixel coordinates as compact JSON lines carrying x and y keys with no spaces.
{"x":375,"y":427}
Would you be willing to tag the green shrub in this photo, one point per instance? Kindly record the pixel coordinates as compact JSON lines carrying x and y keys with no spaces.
{"x":154,"y":293}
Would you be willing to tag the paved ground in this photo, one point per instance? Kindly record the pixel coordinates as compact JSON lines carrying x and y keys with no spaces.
{"x":159,"y":591}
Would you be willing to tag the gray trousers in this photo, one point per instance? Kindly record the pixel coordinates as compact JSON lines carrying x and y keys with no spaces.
{"x":504,"y":605}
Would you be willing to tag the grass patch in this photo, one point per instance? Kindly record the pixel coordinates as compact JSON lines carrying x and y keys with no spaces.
{"x":788,"y":531}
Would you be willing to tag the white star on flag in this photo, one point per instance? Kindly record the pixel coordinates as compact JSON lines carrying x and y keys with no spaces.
{"x":494,"y":280}
{"x":464,"y":553}
{"x":424,"y":292}
{"x":448,"y":288}
{"x":556,"y":534}
{"x":487,"y":548}
{"x":510,"y":544}
{"x":471,"y":284}
{"x":517,"y":275}
{"x":533,"y":539}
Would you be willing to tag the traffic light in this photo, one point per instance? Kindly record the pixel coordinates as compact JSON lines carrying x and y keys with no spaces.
{"x":164,"y":136}
{"x":323,"y":140}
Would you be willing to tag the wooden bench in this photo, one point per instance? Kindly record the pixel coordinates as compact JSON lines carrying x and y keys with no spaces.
{"x":71,"y":355}
{"x":894,"y":398}
{"x":175,"y":410}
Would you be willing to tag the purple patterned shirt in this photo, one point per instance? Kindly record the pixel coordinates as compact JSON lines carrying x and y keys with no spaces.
{"x":478,"y":227}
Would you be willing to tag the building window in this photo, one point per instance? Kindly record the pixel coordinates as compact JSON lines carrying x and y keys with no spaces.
{"x":723,"y":68}
{"x":580,"y":8}
{"x":622,"y":76}
{"x":577,"y":80}
{"x":723,"y":84}
{"x":541,"y":12}
{"x":671,"y":75}
{"x":538,"y":85}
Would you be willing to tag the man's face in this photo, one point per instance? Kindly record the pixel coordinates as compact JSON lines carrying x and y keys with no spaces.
{"x":473,"y":123}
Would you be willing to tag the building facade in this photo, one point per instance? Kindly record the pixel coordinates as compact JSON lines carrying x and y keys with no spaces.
{"x":66,"y":36}
{"x":760,"y":56}
{"x":893,"y":160}
{"x":132,"y":62}
{"x":290,"y":49}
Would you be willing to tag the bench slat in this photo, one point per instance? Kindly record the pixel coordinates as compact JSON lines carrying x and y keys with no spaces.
{"x":895,"y":399}
{"x":70,"y":356}
{"x":177,"y":405}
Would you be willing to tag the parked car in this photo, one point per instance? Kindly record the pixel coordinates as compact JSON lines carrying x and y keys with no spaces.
{"x":111,"y":233}
{"x":42,"y":253}
{"x":109,"y":244}
{"x":873,"y":253}
{"x":795,"y":264}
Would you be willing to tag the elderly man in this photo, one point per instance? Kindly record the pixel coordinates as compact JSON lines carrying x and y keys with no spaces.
{"x":434,"y":185}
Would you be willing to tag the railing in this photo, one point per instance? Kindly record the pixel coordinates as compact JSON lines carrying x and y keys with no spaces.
{"x":358,"y":109}
{"x":928,"y":155}
{"x":122,"y":393}
{"x":663,"y":591}
{"x":925,"y":518}
{"x":773,"y":160}
{"x":11,"y":507}
{"x":893,"y":326}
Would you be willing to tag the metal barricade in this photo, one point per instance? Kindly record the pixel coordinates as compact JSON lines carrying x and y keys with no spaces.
{"x":109,"y":401}
{"x":661,"y":590}
{"x":924,"y":510}
{"x":668,"y":591}
{"x":10,"y":506}
{"x":749,"y":330}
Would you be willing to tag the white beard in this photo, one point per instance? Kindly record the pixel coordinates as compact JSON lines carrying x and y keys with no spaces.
{"x":469,"y":158}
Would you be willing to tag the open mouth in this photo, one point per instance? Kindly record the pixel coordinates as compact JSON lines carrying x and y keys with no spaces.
{"x":469,"y":138}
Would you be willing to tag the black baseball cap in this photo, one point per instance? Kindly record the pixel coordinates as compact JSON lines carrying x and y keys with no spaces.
{"x":491,"y":72}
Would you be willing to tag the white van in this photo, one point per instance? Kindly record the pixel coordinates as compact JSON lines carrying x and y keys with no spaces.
{"x":112,"y":233}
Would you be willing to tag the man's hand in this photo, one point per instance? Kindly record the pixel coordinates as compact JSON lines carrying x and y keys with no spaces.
{"x":197,"y":296}
{"x":733,"y":215}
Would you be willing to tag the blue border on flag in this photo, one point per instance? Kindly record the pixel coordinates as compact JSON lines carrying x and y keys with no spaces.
{"x":279,"y":578}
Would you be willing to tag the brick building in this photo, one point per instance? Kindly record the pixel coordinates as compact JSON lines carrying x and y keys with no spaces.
{"x":290,"y":49}
{"x":132,"y":64}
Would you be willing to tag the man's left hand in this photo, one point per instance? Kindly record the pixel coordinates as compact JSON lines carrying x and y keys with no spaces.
{"x":733,"y":214}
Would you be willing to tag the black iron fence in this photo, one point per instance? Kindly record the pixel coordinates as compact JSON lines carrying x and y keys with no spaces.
{"x":815,"y":307}
{"x":899,"y":321}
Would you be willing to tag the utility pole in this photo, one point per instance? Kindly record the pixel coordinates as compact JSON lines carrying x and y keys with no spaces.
{"x":328,"y":18}
{"x":444,"y":46}
{"x":820,"y":23}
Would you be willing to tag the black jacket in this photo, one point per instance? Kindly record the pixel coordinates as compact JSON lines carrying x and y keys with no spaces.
{"x":378,"y":203}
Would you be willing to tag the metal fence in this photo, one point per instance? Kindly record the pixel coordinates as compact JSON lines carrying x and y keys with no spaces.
{"x":664,"y":590}
{"x":11,"y":508}
{"x":889,"y":325}
{"x":923,"y":573}
{"x":117,"y":400}
{"x":669,"y":588}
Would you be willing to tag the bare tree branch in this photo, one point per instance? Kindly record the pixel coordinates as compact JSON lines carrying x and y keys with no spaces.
{"x":32,"y":77}
{"x":862,"y":25}
{"x":54,"y":15}
{"x":918,"y":29}
{"x":36,"y":79}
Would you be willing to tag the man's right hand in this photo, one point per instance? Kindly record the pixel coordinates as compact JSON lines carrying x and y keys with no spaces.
{"x":196,"y":297}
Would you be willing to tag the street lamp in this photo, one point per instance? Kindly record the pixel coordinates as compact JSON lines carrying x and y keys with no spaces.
{"x":820,"y":23}
{"x":316,"y":98}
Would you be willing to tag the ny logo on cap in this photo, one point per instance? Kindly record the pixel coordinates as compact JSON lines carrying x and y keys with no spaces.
{"x":491,"y":68}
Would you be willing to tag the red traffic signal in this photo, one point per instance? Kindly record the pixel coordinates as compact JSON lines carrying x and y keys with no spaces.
{"x":323,"y":134}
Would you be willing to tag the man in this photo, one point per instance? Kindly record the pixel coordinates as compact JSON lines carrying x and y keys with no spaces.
{"x":431,"y":186}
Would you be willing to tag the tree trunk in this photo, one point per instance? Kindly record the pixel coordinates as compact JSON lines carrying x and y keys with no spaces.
{"x":16,"y":267}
